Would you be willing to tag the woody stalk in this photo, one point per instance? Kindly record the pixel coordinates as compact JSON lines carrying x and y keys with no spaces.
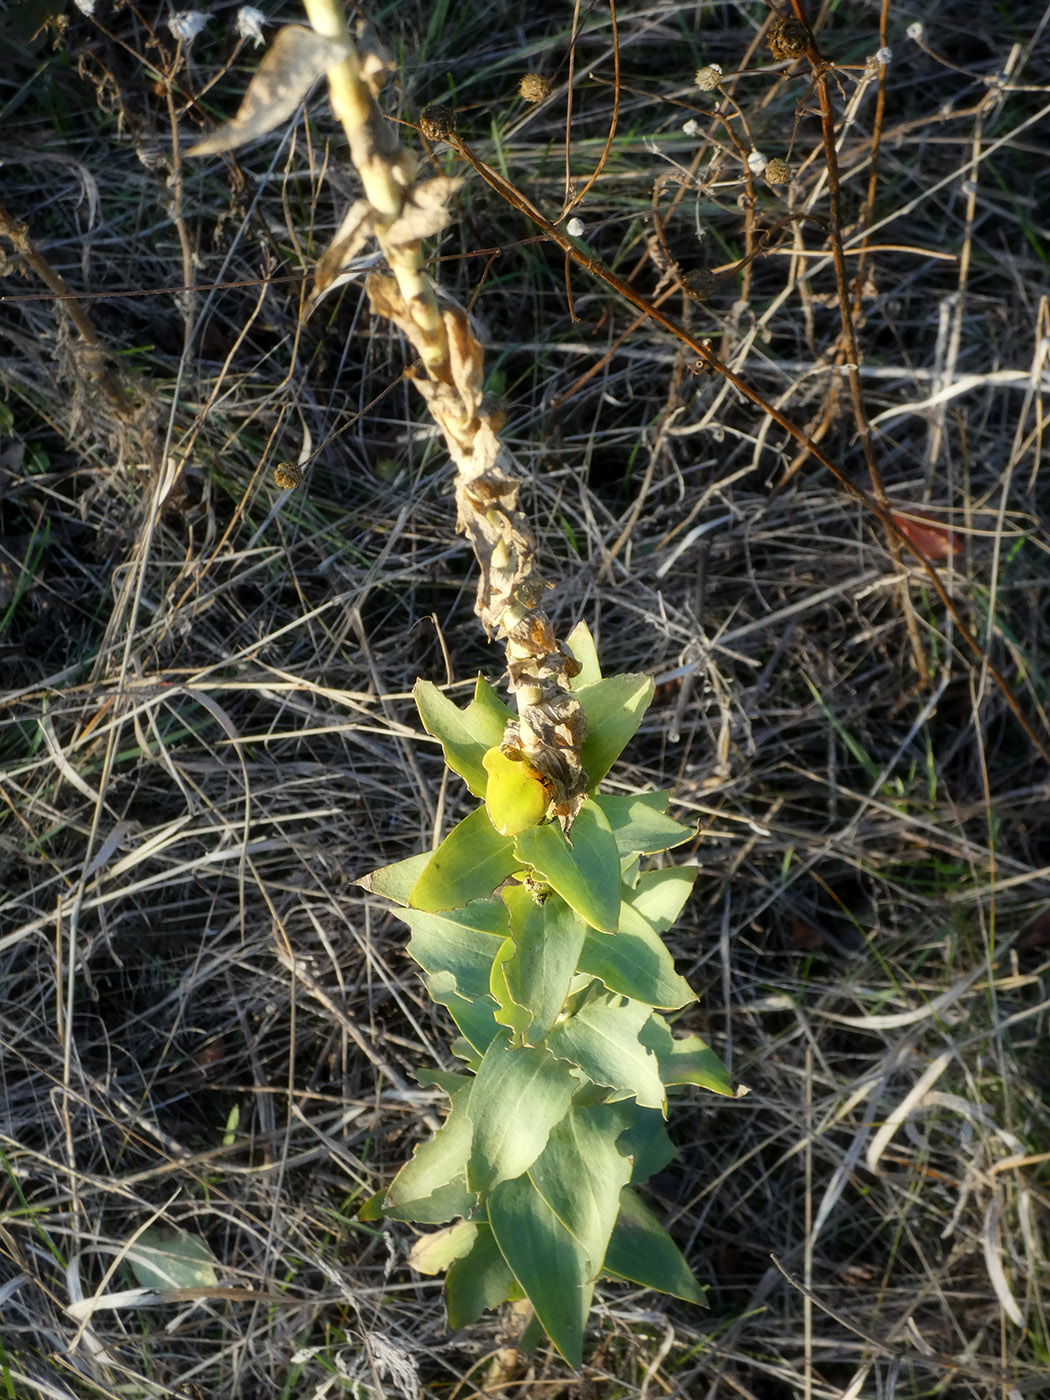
{"x":400,"y":211}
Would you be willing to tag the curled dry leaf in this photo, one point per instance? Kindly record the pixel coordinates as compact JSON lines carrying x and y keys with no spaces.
{"x":355,"y":230}
{"x":929,"y":536}
{"x":294,"y":61}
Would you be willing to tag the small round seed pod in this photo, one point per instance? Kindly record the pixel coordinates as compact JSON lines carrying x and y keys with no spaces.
{"x":788,"y":38}
{"x":709,"y":78}
{"x":698,"y":284}
{"x":778,"y":172}
{"x":438,"y":122}
{"x":287,"y":475}
{"x":534,"y":87}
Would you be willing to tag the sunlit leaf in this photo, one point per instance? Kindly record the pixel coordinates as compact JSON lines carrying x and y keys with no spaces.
{"x":515,"y":799}
{"x":465,"y":735}
{"x":635,"y":963}
{"x":471,"y":861}
{"x":686,"y":1059}
{"x":548,"y":1261}
{"x":579,"y":1174}
{"x":602,"y":1038}
{"x":547,"y":938}
{"x":581,"y":644}
{"x":643,"y":1252}
{"x":431,"y":1187}
{"x":479,"y":1281}
{"x":395,"y":882}
{"x":583,"y":868}
{"x":660,"y":895}
{"x":164,"y":1257}
{"x":614,"y":708}
{"x":518,"y":1096}
{"x":434,"y":1253}
{"x":640,"y":825}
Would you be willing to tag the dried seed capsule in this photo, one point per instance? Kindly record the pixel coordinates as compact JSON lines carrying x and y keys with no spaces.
{"x":287,"y":475}
{"x":698,"y":284}
{"x":438,"y":122}
{"x":778,"y":172}
{"x":788,"y":38}
{"x":709,"y":78}
{"x":534,"y":87}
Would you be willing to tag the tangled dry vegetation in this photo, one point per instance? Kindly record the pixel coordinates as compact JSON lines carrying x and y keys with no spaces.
{"x":206,"y":731}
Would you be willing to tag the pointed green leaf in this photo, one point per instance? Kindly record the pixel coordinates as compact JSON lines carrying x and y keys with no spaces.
{"x":165,"y":1257}
{"x":639,"y":826}
{"x":586,"y":873}
{"x":515,"y":799}
{"x":444,"y":1079}
{"x":433,"y":1253}
{"x":614,"y":708}
{"x":462,"y":942}
{"x":431,"y":1187}
{"x":479,"y":1281}
{"x":643,"y":1252}
{"x":394,"y":882}
{"x":602,"y":1038}
{"x":581,"y":644}
{"x":660,"y":895}
{"x":548,"y":1261}
{"x":547,"y":941}
{"x":635,"y":963}
{"x":579,"y":1174}
{"x":511,"y":1013}
{"x":466,"y":735}
{"x":686,"y":1059}
{"x":518,"y":1096}
{"x":471,"y":861}
{"x":645,"y":1141}
{"x":474,"y":1016}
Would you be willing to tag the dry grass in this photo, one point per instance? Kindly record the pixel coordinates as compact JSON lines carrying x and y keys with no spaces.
{"x":206,"y":732}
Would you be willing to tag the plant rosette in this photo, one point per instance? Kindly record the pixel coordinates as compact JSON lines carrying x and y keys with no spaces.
{"x":546,"y":948}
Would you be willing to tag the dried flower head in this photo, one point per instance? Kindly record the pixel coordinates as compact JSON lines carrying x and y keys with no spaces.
{"x":534,"y":87}
{"x":709,"y":78}
{"x":437,"y":122}
{"x":287,"y":475}
{"x":788,"y":38}
{"x":698,"y":284}
{"x":778,"y":172}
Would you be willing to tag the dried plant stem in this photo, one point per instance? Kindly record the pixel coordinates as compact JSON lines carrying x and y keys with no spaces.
{"x":550,"y":727}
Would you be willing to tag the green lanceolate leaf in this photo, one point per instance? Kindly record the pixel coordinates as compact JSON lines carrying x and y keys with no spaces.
{"x":518,"y":1096}
{"x":686,"y":1059}
{"x":431,"y":1187}
{"x":480,"y":1280}
{"x":548,"y":1261}
{"x":471,"y":861}
{"x":474,"y":1016}
{"x":643,"y":1252}
{"x":579,"y":1174}
{"x":581,"y":644}
{"x":635,"y":963}
{"x":515,"y":799}
{"x":547,"y":938}
{"x":434,"y":1253}
{"x":511,"y":1013}
{"x":640,"y":824}
{"x":645,"y":1141}
{"x":602,"y":1038}
{"x":462,"y":942}
{"x":614,"y":708}
{"x":394,"y":882}
{"x":583,"y":868}
{"x":466,"y":735}
{"x":660,"y":895}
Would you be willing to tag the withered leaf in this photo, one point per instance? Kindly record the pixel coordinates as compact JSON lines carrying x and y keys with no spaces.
{"x":294,"y":61}
{"x":350,"y":238}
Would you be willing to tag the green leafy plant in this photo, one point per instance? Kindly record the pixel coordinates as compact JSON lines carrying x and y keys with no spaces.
{"x":545,"y":947}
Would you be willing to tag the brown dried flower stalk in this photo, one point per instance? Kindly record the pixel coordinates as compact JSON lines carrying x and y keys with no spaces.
{"x":550,"y":727}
